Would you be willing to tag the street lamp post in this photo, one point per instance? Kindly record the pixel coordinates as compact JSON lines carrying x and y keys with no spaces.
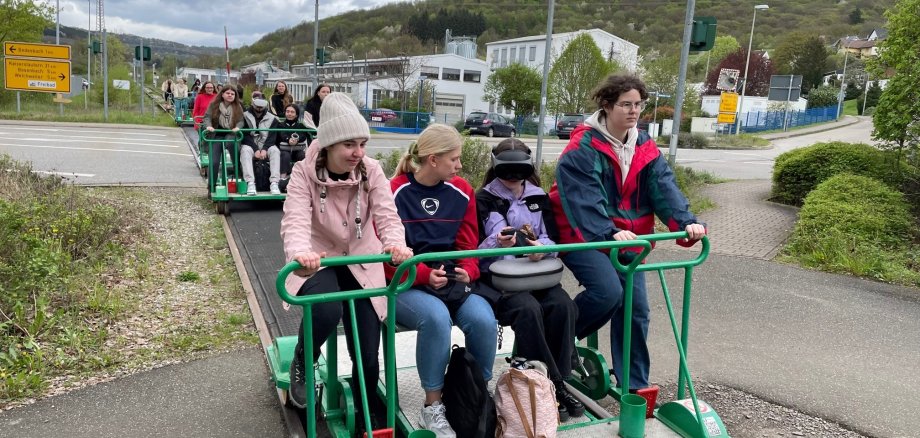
{"x":843,"y":79}
{"x":746,"y":65}
{"x":421,"y":88}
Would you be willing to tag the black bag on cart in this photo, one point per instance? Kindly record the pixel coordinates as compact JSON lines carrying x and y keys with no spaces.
{"x":261,"y":171}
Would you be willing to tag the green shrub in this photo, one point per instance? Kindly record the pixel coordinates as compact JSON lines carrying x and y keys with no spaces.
{"x":475,"y":158}
{"x":856,"y":224}
{"x":59,"y":242}
{"x":692,"y":141}
{"x":797,"y":172}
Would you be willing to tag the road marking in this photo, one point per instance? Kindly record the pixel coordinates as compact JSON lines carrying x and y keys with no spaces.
{"x":744,"y":153}
{"x":70,"y":137}
{"x":95,"y":149}
{"x":21,"y":128}
{"x":45,"y":172}
{"x":124,"y":143}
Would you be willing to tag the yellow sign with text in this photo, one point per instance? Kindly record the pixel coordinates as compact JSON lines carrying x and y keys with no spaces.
{"x":728,"y":103}
{"x":37,"y":75}
{"x":34,"y":50}
{"x":726,"y":118}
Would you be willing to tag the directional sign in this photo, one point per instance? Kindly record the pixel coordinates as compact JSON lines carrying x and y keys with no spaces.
{"x":37,"y":75}
{"x":726,"y":118}
{"x":33,"y":50}
{"x":728,"y":103}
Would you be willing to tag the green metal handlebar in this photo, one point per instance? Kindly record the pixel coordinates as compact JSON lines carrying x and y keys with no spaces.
{"x":408,"y":266}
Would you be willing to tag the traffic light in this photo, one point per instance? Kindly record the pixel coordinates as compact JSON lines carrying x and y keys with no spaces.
{"x":137,"y":53}
{"x":320,"y":56}
{"x":703,"y":34}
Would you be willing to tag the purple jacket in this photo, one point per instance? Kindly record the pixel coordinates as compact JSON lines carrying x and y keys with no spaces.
{"x":520,"y":212}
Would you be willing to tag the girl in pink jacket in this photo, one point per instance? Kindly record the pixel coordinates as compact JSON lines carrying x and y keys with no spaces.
{"x":339,"y":203}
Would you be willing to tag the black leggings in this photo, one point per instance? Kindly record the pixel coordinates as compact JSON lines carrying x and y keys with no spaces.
{"x":544,"y":327}
{"x":288,"y":158}
{"x":326,"y":317}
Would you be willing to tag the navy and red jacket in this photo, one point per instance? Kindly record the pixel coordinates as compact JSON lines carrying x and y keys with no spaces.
{"x":592,"y":203}
{"x":437,"y":218}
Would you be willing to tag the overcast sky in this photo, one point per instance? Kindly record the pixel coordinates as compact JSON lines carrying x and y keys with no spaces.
{"x":199,"y":22}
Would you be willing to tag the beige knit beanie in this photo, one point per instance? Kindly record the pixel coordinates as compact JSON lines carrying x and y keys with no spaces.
{"x":340,"y":121}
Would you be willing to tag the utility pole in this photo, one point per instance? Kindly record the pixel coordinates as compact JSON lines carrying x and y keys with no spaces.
{"x":843,"y":80}
{"x":315,"y":46}
{"x":89,"y":52}
{"x":681,"y":79}
{"x":57,"y":40}
{"x":141,"y":82}
{"x":547,"y":52}
{"x":105,"y":76}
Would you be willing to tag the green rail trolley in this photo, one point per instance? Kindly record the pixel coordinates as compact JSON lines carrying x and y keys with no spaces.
{"x":687,"y":416}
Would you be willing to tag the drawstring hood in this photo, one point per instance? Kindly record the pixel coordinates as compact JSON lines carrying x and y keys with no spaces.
{"x":321,"y":177}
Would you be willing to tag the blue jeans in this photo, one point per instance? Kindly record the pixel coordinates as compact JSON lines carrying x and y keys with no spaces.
{"x":428,"y":314}
{"x":602,"y":301}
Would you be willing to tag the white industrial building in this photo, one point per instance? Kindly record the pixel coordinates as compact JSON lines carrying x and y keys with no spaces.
{"x":457,"y":81}
{"x":531,"y":50}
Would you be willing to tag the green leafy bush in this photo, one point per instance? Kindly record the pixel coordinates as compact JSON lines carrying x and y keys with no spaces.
{"x":692,"y":141}
{"x":797,"y":172}
{"x":856,"y":224}
{"x":57,"y":241}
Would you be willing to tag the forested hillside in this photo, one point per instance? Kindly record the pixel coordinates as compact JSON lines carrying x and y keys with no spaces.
{"x":418,"y":27}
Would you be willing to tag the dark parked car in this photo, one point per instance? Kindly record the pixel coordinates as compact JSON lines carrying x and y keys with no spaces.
{"x":567,"y":124}
{"x":489,"y":124}
{"x":382,"y":114}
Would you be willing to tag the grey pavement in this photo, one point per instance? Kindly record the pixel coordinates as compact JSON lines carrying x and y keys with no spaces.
{"x":227,"y":395}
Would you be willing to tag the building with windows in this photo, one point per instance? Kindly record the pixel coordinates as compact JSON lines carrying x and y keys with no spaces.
{"x":530,"y":50}
{"x":218,"y":75}
{"x":456,"y":82}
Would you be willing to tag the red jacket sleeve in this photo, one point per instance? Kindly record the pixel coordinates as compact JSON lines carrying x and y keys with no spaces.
{"x":468,"y":234}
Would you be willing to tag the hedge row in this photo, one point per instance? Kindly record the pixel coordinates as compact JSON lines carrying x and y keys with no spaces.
{"x":798,"y":172}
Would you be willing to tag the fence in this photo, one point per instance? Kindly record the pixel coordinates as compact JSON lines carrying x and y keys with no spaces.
{"x":401,"y":122}
{"x":773,"y":120}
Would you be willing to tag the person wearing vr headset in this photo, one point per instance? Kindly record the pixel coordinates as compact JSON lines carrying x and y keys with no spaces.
{"x":611,"y":182}
{"x":514,"y":211}
{"x":438,"y":210}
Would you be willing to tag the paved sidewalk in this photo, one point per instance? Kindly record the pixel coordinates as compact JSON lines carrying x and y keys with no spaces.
{"x":820,"y":127}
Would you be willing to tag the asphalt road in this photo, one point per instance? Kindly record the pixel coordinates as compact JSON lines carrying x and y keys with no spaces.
{"x":731,"y":164}
{"x":102,"y":154}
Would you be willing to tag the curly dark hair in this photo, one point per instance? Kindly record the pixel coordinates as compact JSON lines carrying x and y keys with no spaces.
{"x":610,"y":89}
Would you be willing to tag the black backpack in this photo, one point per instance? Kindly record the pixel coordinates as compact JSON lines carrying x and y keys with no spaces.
{"x":470,"y":408}
{"x":262,"y":173}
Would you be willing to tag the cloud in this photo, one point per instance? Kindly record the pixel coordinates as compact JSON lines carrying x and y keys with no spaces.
{"x":200,"y":22}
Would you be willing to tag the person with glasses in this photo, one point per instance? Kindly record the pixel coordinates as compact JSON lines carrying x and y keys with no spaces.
{"x":611,"y":182}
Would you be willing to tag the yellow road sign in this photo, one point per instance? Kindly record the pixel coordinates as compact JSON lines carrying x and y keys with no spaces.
{"x":34,"y":50}
{"x":726,"y":118}
{"x":728,"y":103}
{"x":37,"y":75}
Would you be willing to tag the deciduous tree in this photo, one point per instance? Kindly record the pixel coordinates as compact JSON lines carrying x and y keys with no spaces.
{"x":897,"y":116}
{"x":23,"y":20}
{"x":516,"y":86}
{"x":759,"y":72}
{"x":575,"y":73}
{"x":800,"y":53}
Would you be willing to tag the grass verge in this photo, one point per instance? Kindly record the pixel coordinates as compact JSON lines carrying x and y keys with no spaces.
{"x":46,"y":111}
{"x":100,"y":282}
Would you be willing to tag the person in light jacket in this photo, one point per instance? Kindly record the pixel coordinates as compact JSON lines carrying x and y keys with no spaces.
{"x":180,"y":97}
{"x":338,"y":204}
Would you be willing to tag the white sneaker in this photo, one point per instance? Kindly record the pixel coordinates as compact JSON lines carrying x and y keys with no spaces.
{"x":274,"y":188}
{"x":251,"y":189}
{"x":433,"y":419}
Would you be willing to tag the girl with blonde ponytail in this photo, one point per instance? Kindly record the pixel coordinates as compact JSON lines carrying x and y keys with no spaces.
{"x":438,"y":211}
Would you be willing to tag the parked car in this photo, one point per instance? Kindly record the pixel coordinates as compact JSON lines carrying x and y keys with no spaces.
{"x":489,"y":124}
{"x":567,"y":124}
{"x":382,"y":114}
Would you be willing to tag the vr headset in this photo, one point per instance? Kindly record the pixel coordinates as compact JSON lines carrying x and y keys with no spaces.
{"x":512,"y":165}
